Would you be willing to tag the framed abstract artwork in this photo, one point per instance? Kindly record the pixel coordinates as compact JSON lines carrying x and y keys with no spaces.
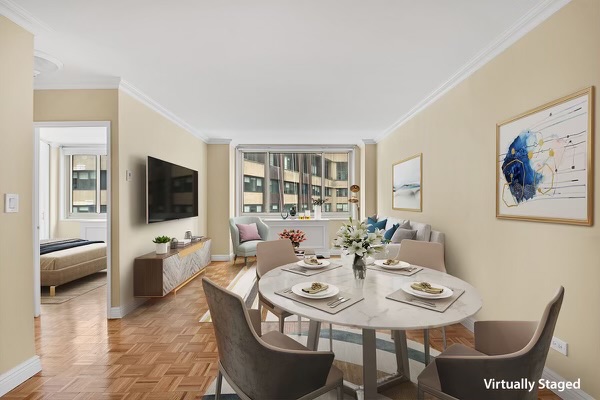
{"x":545,"y":162}
{"x":407,"y":184}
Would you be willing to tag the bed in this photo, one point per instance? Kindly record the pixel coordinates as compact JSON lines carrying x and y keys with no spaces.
{"x":65,"y":260}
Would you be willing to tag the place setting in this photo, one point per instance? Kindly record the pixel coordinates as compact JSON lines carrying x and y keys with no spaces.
{"x":431,"y":296}
{"x":320,"y":295}
{"x":311,"y":265}
{"x":396,"y":267}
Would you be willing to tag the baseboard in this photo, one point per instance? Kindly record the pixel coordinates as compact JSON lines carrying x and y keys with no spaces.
{"x":120,"y":312}
{"x":548,"y":374}
{"x":19,"y":374}
{"x":221,"y":257}
{"x":567,"y":394}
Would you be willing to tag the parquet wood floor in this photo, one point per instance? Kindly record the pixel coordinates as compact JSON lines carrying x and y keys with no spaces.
{"x":158,"y":352}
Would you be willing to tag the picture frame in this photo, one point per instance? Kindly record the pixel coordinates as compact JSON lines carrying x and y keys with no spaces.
{"x":407,"y":184}
{"x":545,"y":162}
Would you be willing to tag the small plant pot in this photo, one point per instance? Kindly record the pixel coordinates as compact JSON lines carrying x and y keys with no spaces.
{"x":162,"y":248}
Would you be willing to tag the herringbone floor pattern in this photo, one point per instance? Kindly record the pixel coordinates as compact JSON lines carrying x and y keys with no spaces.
{"x":158,"y":352}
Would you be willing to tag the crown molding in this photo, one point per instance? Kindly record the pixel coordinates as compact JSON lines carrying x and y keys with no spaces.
{"x":369,"y":141}
{"x":96,"y":83}
{"x":524,"y":25}
{"x":23,"y":18}
{"x":218,"y":141}
{"x":143,"y":98}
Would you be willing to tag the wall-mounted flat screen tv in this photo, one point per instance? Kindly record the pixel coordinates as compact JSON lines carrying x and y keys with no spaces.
{"x":171,"y":191}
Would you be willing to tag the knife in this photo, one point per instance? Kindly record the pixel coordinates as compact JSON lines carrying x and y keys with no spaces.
{"x":334,"y":305}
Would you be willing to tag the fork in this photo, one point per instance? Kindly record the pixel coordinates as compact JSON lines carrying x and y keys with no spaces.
{"x":335,"y":301}
{"x":427,"y":303}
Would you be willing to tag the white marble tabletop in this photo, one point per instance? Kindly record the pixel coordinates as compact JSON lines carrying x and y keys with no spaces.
{"x":375,"y":311}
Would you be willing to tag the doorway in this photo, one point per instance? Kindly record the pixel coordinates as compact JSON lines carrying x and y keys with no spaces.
{"x":72,"y":192}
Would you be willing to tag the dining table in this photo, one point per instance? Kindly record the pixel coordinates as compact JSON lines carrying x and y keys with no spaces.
{"x":373,"y":312}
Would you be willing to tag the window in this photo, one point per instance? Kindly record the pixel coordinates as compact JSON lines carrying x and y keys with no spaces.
{"x":274,"y":181}
{"x":253,"y":184}
{"x":341,"y":207}
{"x":341,"y":192}
{"x":87,"y":189}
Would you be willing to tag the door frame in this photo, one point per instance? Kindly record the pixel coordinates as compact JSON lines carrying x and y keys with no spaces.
{"x":36,"y":236}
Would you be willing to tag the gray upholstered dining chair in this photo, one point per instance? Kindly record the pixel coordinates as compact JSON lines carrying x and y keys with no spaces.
{"x":246,"y":249}
{"x":270,"y":255}
{"x":271,"y":366}
{"x":428,"y":255}
{"x":504,"y":350}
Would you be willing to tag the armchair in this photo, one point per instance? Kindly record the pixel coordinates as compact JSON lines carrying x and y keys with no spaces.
{"x":246,"y":249}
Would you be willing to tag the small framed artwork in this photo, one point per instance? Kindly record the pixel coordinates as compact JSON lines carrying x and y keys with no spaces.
{"x":407,"y":184}
{"x":545,"y":162}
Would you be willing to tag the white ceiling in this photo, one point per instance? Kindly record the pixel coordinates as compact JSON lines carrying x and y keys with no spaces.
{"x":264,"y":71}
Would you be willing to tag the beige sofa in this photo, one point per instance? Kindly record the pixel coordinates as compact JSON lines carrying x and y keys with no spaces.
{"x":424,"y":232}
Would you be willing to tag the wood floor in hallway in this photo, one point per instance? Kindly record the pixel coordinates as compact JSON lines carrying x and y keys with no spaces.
{"x":159,"y":351}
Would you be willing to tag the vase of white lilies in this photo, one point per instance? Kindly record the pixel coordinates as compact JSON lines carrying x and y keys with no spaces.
{"x":354,"y":237}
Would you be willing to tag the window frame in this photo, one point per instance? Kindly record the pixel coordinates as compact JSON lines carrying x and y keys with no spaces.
{"x":66,"y":181}
{"x":318,"y":150}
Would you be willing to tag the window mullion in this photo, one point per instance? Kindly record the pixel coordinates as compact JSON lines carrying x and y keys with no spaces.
{"x":267,"y":184}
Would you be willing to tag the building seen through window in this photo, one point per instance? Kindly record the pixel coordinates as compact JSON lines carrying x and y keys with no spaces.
{"x":295,"y":179}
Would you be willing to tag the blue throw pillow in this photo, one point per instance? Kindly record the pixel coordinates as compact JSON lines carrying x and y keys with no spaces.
{"x":373,"y":224}
{"x":387,"y":236}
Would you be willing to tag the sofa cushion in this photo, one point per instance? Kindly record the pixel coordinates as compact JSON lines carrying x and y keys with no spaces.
{"x":372,"y":225}
{"x":248,"y":232}
{"x":402,"y":234}
{"x":423,"y":230}
{"x":390,"y":232}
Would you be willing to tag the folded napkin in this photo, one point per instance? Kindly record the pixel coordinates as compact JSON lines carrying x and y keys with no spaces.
{"x":390,"y":262}
{"x":426,"y":287}
{"x":312,"y":261}
{"x":316,"y":287}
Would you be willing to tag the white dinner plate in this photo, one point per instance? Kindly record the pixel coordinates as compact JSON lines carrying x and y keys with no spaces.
{"x":400,"y":265}
{"x":331,"y":291}
{"x":324,"y":263}
{"x":446,"y":293}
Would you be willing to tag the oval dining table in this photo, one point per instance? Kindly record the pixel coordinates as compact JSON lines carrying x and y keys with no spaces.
{"x":374,"y":312}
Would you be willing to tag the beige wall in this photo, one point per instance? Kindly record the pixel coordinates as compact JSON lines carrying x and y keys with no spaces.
{"x":218,"y":156}
{"x":142,"y":133}
{"x":368,"y":180}
{"x":16,"y":171}
{"x":88,"y":105}
{"x":457,"y":138}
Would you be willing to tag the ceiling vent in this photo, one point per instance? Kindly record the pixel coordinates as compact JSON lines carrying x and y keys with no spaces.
{"x":44,"y":63}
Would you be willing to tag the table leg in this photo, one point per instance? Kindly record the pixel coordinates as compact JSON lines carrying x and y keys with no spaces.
{"x":401,"y":353}
{"x":426,"y":345}
{"x":369,"y":363}
{"x":314,"y":331}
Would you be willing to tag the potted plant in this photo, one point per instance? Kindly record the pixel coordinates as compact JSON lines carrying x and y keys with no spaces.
{"x":162,"y":244}
{"x":354,"y":237}
{"x":317,"y":204}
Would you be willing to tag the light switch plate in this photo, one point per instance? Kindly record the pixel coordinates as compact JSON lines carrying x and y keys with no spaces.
{"x":11,"y":203}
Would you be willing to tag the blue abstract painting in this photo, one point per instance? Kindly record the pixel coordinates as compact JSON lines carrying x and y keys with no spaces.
{"x":544,"y":159}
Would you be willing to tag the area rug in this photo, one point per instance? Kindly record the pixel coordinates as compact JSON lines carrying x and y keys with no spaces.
{"x":346,"y":346}
{"x":74,"y":289}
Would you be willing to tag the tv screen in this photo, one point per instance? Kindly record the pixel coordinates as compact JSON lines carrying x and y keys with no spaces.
{"x":171,"y":191}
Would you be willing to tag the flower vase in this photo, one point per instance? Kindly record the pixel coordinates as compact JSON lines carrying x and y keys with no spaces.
{"x":317,"y":210}
{"x":359,"y":267}
{"x":296,"y":245}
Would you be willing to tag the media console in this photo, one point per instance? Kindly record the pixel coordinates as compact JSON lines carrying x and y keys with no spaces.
{"x":157,"y":275}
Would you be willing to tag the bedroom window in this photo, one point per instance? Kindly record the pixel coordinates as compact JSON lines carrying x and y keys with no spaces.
{"x":295,"y":176}
{"x":86,"y":183}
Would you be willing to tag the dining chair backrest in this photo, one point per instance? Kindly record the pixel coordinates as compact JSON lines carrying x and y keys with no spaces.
{"x":260,"y":370}
{"x":526,"y":363}
{"x":273,"y":254}
{"x":424,"y":254}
